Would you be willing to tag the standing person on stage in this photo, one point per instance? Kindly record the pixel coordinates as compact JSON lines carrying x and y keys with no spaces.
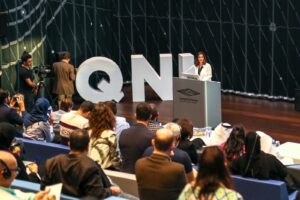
{"x":27,"y":87}
{"x":202,"y":67}
{"x":64,"y":77}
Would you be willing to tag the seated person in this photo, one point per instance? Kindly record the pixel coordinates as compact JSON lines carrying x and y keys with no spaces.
{"x":66,"y":106}
{"x":11,"y":110}
{"x":213,"y":180}
{"x":153,"y":124}
{"x":7,"y":135}
{"x":37,"y":122}
{"x":121,"y":123}
{"x":257,"y":164}
{"x":177,"y":155}
{"x":157,"y":177}
{"x":74,"y":120}
{"x":103,"y":144}
{"x":79,"y":174}
{"x":234,"y":147}
{"x":8,"y":172}
{"x":185,"y":144}
{"x":220,"y":134}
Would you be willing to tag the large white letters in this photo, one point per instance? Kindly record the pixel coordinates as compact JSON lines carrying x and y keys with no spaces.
{"x":141,"y":71}
{"x":107,"y":91}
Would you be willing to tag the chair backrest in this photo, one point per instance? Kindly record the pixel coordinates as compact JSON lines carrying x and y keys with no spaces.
{"x":41,"y":151}
{"x":127,"y":182}
{"x":254,"y":189}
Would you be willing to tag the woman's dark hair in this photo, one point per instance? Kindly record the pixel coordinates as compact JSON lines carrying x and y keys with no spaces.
{"x":196,"y":62}
{"x":66,"y":104}
{"x":234,"y":145}
{"x":186,"y":128}
{"x":213,"y":171}
{"x":101,"y":119}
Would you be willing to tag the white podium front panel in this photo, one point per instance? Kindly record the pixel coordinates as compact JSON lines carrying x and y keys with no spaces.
{"x":199,"y":101}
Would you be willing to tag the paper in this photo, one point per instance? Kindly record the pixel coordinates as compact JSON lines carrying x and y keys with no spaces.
{"x":55,"y":190}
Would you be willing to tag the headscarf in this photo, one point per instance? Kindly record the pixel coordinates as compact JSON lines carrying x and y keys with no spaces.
{"x":40,"y":112}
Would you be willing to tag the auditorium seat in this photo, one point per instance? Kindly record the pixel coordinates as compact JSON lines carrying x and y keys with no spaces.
{"x":127,"y":182}
{"x":41,"y":151}
{"x":254,"y":189}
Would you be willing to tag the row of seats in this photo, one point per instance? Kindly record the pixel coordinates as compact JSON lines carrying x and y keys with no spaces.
{"x":250,"y":188}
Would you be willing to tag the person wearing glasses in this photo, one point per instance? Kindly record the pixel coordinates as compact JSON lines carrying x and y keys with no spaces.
{"x":8,"y":172}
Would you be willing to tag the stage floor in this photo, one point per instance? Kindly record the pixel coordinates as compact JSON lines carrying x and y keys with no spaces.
{"x":276,"y":118}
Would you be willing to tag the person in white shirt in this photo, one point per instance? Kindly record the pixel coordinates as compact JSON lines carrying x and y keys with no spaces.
{"x":202,"y":67}
{"x":75,"y":120}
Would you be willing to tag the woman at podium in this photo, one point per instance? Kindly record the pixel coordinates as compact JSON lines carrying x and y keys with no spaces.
{"x":202,"y":67}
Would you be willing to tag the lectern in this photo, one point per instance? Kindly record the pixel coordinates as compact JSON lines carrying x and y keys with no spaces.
{"x":199,"y":101}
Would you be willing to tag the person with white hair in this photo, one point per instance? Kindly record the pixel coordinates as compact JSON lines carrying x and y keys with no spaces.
{"x":177,"y":155}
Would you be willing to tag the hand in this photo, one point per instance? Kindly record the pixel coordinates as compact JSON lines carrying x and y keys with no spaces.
{"x":115,"y":190}
{"x":21,"y":106}
{"x":33,"y":167}
{"x":44,"y":195}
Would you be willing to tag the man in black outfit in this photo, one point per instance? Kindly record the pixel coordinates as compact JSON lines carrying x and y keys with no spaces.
{"x":26,"y":85}
{"x":79,"y":174}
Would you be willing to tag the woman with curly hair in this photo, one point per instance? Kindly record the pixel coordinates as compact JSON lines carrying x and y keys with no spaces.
{"x":103,"y":145}
{"x":213,"y":179}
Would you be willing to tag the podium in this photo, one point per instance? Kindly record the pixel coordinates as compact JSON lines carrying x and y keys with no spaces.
{"x":198,"y":101}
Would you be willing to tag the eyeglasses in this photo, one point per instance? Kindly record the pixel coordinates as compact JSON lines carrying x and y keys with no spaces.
{"x":17,"y":170}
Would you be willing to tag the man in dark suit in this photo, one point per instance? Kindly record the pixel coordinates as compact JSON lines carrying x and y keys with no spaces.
{"x":157,"y":176}
{"x":134,"y":140}
{"x":8,"y":114}
{"x":64,"y":77}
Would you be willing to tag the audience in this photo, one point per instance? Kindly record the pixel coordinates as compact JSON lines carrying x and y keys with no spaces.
{"x":103,"y":144}
{"x":186,"y":134}
{"x":79,"y":174}
{"x":213,"y":180}
{"x":9,"y":114}
{"x":65,"y":106}
{"x":37,"y":122}
{"x":75,"y":120}
{"x":255,"y":163}
{"x":134,"y":140}
{"x":153,"y":124}
{"x":177,"y":155}
{"x":234,"y":147}
{"x":8,"y":172}
{"x":158,"y":177}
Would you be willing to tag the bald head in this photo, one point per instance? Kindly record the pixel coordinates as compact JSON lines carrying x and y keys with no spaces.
{"x":8,"y":162}
{"x":163,"y":139}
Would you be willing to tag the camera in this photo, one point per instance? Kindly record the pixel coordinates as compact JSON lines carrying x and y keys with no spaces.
{"x":16,"y":99}
{"x":42,"y":71}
